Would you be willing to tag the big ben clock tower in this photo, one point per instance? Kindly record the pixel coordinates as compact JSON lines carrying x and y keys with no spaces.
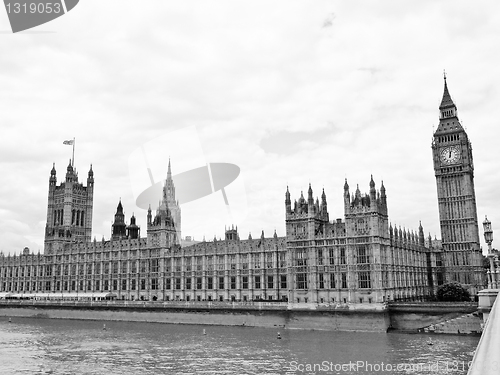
{"x":454,"y":170}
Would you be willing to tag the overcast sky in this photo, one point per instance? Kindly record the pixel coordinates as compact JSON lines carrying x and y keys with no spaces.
{"x":291,"y":92}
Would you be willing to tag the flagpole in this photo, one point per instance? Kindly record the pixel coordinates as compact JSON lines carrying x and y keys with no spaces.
{"x":73,"y":159}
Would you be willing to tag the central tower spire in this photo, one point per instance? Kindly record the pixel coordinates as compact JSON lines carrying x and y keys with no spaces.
{"x":169,"y":188}
{"x":168,"y":213}
{"x":169,"y":171}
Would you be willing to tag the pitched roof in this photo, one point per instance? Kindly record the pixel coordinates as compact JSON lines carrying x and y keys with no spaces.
{"x":446,"y":101}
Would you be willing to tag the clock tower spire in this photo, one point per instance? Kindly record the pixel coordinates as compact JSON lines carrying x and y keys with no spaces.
{"x":454,"y":171}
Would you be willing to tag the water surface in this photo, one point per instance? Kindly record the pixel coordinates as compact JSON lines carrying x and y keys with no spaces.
{"x":53,"y":346}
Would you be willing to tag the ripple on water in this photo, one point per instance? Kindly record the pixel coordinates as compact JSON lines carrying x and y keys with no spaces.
{"x":39,"y":346}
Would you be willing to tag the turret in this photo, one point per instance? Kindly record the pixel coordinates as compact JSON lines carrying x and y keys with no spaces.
{"x":310,"y":202}
{"x":310,"y":199}
{"x":373,"y":194}
{"x":421,"y":238}
{"x":302,"y":204}
{"x":232,"y":234}
{"x":347,"y":197}
{"x":150,"y":216}
{"x":372,"y":188}
{"x":324,"y":207}
{"x":288,"y":202}
{"x":383,"y":197}
{"x":69,"y":172}
{"x":90,"y":177}
{"x":133,"y":230}
{"x":53,"y":179}
{"x":119,"y":227}
{"x":358,"y":192}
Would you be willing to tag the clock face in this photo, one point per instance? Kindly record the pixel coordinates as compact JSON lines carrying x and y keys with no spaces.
{"x":450,"y":155}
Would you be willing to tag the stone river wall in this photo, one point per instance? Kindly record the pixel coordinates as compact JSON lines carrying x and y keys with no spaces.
{"x":367,"y":317}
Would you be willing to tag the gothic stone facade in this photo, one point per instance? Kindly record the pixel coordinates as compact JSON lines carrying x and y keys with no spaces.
{"x":359,"y":259}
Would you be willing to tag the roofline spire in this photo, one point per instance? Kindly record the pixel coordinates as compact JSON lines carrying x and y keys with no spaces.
{"x":446,"y":102}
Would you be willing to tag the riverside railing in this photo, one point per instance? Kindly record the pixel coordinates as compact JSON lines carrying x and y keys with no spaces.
{"x":197,"y":305}
{"x":486,"y":361}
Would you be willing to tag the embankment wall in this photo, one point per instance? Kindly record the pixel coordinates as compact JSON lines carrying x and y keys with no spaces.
{"x":376,"y":321}
{"x":402,"y":317}
{"x":415,"y":316}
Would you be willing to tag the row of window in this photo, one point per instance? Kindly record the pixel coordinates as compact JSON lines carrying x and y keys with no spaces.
{"x":361,"y":257}
{"x":211,"y":283}
{"x":328,"y":280}
{"x":324,"y":281}
{"x":77,"y":217}
{"x":301,"y":256}
{"x":145,"y":265}
{"x":448,"y":138}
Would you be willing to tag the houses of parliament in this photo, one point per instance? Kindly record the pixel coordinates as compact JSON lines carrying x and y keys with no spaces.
{"x":361,"y":258}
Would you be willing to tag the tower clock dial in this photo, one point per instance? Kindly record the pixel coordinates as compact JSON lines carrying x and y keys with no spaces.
{"x":450,"y":155}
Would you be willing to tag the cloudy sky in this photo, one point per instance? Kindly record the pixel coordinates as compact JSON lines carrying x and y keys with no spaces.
{"x":291,"y":92}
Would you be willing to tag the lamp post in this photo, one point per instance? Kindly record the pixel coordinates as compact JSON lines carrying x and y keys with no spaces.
{"x":488,"y":237}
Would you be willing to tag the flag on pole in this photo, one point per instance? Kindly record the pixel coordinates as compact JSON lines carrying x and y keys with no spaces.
{"x":68,"y":142}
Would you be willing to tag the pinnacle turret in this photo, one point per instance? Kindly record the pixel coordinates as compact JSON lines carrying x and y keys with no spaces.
{"x":373,"y":192}
{"x":372,"y":183}
{"x":119,"y":227}
{"x":53,"y":178}
{"x":288,"y":203}
{"x":310,"y":199}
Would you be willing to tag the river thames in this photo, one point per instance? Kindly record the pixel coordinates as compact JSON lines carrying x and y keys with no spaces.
{"x":50,"y":346}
